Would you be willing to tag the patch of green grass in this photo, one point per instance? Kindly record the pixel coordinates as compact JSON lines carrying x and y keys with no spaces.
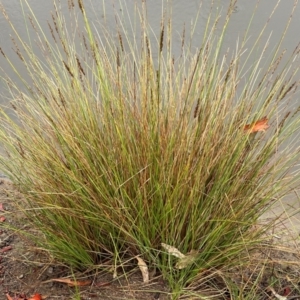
{"x":118,"y":150}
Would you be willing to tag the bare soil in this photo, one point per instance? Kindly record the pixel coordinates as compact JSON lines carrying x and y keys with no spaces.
{"x":26,"y":270}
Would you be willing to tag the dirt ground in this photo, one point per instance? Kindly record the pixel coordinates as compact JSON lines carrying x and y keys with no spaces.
{"x":26,"y":270}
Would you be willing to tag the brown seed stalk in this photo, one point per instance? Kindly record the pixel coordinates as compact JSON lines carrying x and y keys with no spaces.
{"x":68,"y":69}
{"x":80,"y":66}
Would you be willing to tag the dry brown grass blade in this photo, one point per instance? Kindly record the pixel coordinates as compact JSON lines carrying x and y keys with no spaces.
{"x":144,"y":269}
{"x":70,"y":282}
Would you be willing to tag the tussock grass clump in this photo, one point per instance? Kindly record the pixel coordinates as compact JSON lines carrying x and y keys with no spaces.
{"x":118,"y":150}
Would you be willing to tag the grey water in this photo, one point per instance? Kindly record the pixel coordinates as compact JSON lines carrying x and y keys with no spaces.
{"x":185,"y":14}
